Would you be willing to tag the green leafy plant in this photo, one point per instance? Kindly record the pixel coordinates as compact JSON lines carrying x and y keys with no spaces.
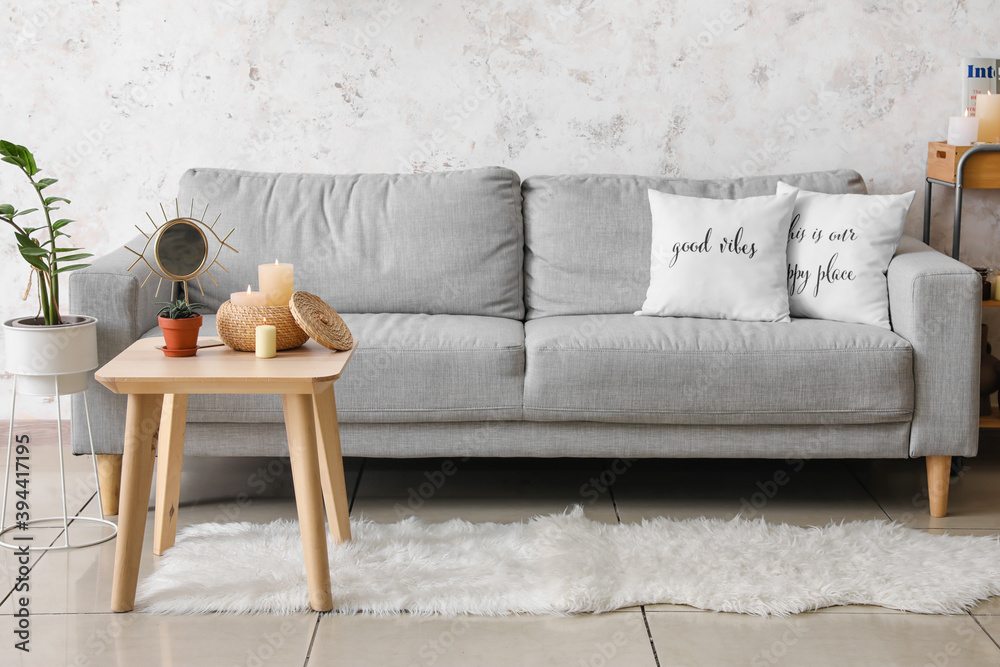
{"x":46,"y":257}
{"x":179,"y":309}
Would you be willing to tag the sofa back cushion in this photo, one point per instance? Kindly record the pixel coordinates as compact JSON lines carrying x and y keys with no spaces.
{"x":587,"y":237}
{"x":440,"y":243}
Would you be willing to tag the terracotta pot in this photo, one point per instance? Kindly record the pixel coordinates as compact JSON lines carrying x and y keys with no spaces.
{"x":181,"y":335}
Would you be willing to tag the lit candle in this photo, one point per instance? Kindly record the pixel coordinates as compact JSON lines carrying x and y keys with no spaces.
{"x":267,"y":341}
{"x":988,"y":113}
{"x":248,"y":298}
{"x":277,"y":281}
{"x":963,"y":130}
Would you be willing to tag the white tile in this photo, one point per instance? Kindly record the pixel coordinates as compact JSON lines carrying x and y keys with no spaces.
{"x":43,"y":485}
{"x":992,"y":626}
{"x":79,"y":580}
{"x":821,"y":639}
{"x":989,"y":607}
{"x":900,"y":487}
{"x":607,"y":639}
{"x":87,"y":640}
{"x":44,"y":497}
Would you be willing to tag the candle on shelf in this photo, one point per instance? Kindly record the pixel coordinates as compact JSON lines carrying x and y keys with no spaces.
{"x":267,"y":341}
{"x":963,"y":130}
{"x":277,"y":281}
{"x":988,"y":114}
{"x":248,"y":298}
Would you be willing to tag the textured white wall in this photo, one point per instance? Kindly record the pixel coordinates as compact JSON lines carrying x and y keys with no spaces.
{"x":117,"y":99}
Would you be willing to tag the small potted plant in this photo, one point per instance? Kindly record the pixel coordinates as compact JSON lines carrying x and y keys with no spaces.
{"x":180,"y":325}
{"x":51,"y":352}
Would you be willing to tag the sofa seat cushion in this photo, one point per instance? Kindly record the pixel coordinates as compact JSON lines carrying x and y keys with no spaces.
{"x":647,"y":370}
{"x":407,"y":368}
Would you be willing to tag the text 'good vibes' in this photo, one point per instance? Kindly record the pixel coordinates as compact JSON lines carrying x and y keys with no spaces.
{"x":734,"y":245}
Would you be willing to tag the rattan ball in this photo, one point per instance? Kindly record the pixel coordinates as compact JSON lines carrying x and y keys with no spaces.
{"x":238,"y":326}
{"x":320,"y":321}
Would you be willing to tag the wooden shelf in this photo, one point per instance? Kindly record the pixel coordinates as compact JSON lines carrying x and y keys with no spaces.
{"x":993,"y":303}
{"x":993,"y":421}
{"x":982,"y":171}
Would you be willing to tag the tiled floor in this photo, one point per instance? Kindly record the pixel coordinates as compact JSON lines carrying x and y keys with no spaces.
{"x":70,"y":591}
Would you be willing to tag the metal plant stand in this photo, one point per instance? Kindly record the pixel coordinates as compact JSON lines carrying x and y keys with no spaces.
{"x":65,"y":519}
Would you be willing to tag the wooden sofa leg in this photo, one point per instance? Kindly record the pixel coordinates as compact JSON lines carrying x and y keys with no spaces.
{"x":938,"y":479}
{"x":109,"y":473}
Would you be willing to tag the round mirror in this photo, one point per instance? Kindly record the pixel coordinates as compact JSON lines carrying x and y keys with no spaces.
{"x":181,"y":249}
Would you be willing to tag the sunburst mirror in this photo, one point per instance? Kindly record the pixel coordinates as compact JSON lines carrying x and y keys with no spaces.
{"x":181,"y":249}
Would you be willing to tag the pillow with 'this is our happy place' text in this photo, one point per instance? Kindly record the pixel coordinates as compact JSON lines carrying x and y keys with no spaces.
{"x":839,"y":249}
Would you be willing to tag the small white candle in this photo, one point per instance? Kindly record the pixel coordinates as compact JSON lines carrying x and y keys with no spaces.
{"x":963,"y":130}
{"x":988,"y":114}
{"x":265,"y":346}
{"x":248,"y":298}
{"x":277,"y":281}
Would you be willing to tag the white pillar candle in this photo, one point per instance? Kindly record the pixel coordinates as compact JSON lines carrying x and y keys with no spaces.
{"x":248,"y":298}
{"x":988,"y":115}
{"x":265,"y":346}
{"x":277,"y":281}
{"x":963,"y":130}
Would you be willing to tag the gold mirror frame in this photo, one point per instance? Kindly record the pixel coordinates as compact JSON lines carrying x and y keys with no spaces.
{"x":157,"y":234}
{"x":187,"y":222}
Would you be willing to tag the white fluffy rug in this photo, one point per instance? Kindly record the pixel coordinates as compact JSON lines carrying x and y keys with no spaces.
{"x":566,"y":563}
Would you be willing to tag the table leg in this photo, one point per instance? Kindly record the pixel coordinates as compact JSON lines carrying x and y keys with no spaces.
{"x":302,"y":449}
{"x":141,"y":423}
{"x":331,"y":464}
{"x":168,"y":470}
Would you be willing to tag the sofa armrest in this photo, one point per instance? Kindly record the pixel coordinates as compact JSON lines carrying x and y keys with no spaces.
{"x":110,"y":292}
{"x":124,"y":311}
{"x":935,"y":303}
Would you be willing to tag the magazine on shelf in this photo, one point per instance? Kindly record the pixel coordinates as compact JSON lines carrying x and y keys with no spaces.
{"x":979,"y":76}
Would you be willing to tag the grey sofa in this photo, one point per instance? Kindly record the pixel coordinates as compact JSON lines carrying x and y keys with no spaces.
{"x":495,"y":319}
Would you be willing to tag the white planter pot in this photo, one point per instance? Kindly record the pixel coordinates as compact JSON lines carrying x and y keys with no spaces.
{"x":51,"y":360}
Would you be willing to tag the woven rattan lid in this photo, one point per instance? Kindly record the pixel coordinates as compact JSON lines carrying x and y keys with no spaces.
{"x":320,"y":321}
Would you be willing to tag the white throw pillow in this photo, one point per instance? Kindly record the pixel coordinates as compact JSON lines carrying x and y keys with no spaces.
{"x":719,"y":258}
{"x":839,"y":248}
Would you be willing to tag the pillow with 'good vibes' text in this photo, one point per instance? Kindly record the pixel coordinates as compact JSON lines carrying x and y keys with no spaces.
{"x":719,"y":258}
{"x":839,"y":248}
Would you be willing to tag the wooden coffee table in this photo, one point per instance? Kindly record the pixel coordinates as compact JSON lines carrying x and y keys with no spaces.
{"x":158,"y":390}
